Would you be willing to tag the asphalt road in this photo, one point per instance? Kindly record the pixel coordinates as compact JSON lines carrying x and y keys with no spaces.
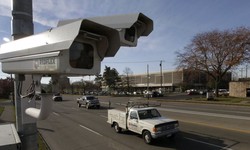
{"x":206,"y":127}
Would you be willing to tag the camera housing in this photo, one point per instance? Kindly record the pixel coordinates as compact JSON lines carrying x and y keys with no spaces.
{"x":130,"y":26}
{"x":76,"y":48}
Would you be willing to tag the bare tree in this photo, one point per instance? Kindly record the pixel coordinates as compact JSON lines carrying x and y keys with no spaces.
{"x":127,"y":71}
{"x":216,"y":52}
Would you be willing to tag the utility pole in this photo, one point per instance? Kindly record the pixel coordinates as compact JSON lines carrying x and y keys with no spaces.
{"x":22,"y":26}
{"x":241,"y":70}
{"x":246,"y":71}
{"x":147,"y":81}
{"x":161,"y":73}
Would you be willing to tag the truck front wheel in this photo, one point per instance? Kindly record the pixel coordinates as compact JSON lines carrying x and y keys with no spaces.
{"x":87,"y":105}
{"x":117,"y":128}
{"x":147,"y":137}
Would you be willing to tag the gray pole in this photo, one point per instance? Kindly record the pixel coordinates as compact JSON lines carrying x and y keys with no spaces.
{"x":246,"y":71}
{"x":147,"y":81}
{"x":22,"y":19}
{"x":22,"y":26}
{"x":161,"y":73}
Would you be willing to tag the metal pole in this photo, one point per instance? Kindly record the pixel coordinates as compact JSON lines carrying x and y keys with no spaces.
{"x":147,"y":81}
{"x":246,"y":71}
{"x":161,"y":72}
{"x":22,"y":26}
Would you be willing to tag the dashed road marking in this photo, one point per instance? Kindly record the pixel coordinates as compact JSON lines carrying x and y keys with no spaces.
{"x":103,"y":116}
{"x":56,"y":114}
{"x":90,"y":130}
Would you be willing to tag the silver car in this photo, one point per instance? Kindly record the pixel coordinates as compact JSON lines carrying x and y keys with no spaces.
{"x":57,"y":97}
{"x":88,"y":101}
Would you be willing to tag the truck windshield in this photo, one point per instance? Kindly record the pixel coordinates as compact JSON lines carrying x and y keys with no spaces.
{"x":149,"y":113}
{"x":90,"y":98}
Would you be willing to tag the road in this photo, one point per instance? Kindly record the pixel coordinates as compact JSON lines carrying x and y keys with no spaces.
{"x":206,"y":127}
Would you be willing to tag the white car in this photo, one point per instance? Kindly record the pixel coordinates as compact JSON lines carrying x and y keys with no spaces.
{"x":57,"y":97}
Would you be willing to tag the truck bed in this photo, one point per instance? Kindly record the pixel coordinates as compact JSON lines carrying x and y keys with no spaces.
{"x":117,"y":116}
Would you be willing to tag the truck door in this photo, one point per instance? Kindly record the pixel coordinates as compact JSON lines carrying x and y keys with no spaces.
{"x":133,"y":124}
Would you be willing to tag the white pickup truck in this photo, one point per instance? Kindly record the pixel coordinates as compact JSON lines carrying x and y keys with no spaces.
{"x":146,"y":121}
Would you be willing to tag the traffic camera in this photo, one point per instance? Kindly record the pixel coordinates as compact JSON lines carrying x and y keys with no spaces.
{"x":72,"y":49}
{"x":130,"y":27}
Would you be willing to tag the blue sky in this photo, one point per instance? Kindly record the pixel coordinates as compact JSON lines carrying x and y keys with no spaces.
{"x":176,"y":22}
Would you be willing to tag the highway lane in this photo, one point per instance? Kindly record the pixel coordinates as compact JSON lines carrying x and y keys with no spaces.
{"x":70,"y":127}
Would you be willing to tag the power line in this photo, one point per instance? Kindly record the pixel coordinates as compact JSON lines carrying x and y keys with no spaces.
{"x":147,"y":61}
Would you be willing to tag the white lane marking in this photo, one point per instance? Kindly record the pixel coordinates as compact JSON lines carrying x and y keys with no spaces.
{"x":205,"y":113}
{"x":74,"y":108}
{"x":104,"y":103}
{"x":229,"y":111}
{"x":103,"y":116}
{"x":225,"y":148}
{"x":90,"y":130}
{"x":56,"y":114}
{"x":121,"y":104}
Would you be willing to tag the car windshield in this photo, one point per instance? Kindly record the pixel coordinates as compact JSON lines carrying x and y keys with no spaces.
{"x":90,"y":98}
{"x":149,"y":113}
{"x":57,"y":94}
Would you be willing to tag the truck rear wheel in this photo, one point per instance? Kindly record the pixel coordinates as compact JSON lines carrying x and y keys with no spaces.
{"x":147,"y":137}
{"x":117,"y":128}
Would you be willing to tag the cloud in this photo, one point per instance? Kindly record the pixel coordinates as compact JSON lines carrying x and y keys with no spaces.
{"x":5,"y":9}
{"x":3,"y":31}
{"x":5,"y":39}
{"x":49,"y":12}
{"x":3,"y":75}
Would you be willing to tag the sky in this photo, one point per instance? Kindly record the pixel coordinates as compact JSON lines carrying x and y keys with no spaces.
{"x":176,"y":22}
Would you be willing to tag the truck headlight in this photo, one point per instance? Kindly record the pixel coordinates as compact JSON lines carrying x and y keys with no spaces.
{"x":158,"y":129}
{"x":154,"y":129}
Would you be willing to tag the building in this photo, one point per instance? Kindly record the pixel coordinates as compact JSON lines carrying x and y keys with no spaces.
{"x":169,"y":81}
{"x":240,"y":88}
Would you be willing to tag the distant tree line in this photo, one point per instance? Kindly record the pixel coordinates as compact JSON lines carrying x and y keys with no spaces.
{"x":110,"y":79}
{"x":6,"y":87}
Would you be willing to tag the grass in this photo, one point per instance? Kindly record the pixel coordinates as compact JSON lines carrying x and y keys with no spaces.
{"x":1,"y":110}
{"x":41,"y":143}
{"x":225,"y":100}
{"x":1,"y":107}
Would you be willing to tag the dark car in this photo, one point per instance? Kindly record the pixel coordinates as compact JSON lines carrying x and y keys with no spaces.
{"x":157,"y":94}
{"x":152,"y":94}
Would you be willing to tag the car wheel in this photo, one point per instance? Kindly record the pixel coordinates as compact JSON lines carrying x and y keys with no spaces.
{"x":117,"y":128}
{"x":147,"y":137}
{"x":98,"y":106}
{"x":172,"y":137}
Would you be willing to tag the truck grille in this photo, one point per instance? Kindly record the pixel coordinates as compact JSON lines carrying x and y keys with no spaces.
{"x":167,"y":126}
